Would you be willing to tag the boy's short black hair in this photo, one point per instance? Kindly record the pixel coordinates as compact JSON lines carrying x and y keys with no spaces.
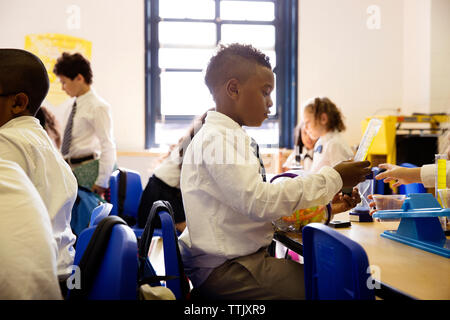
{"x":233,"y":61}
{"x":70,"y":65}
{"x":22,"y":71}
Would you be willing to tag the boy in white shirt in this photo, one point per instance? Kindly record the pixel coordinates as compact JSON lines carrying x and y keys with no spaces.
{"x":23,"y":85}
{"x":28,"y":250}
{"x":229,"y":206}
{"x":88,"y":140}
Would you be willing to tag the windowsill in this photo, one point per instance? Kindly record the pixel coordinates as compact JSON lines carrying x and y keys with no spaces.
{"x":154,"y":152}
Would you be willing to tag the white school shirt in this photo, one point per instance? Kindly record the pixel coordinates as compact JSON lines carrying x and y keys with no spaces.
{"x":169,"y":170}
{"x":24,"y":141}
{"x":229,"y":209}
{"x":428,"y":175}
{"x":27,"y":249}
{"x":329,"y":150}
{"x":92,"y":133}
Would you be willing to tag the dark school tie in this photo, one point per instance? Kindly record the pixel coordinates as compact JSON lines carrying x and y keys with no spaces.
{"x":68,"y":131}
{"x":255,"y":147}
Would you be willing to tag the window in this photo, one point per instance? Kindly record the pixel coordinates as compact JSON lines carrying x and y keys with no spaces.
{"x":182,"y":35}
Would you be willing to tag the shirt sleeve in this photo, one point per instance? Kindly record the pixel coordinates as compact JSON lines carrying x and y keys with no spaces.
{"x":428,"y":175}
{"x":104,"y":132}
{"x":241,"y":186}
{"x":29,"y":251}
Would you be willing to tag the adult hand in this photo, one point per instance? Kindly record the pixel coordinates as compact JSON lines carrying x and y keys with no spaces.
{"x":399,"y":174}
{"x":99,"y":190}
{"x":352,"y":172}
{"x":343,"y":202}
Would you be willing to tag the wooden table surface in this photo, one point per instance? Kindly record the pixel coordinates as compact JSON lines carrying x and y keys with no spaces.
{"x":418,"y":273}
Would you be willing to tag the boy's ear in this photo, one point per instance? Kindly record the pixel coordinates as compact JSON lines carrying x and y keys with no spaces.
{"x":80,"y":77}
{"x":20,"y":104}
{"x":323,"y":118}
{"x":232,"y":88}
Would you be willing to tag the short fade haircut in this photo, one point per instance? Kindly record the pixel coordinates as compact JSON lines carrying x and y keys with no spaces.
{"x":22,"y":71}
{"x":70,"y":65}
{"x":233,"y":61}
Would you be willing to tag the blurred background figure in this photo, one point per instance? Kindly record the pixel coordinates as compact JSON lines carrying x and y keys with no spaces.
{"x":50,"y":125}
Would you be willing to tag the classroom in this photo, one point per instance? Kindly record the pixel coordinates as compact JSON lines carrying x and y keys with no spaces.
{"x":228,"y":133}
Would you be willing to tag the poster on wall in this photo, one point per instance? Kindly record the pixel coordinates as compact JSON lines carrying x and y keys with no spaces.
{"x":49,"y":47}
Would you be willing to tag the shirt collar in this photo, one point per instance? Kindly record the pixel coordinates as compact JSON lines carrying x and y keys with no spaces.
{"x":326,"y":137}
{"x":85,"y":96}
{"x":19,"y":120}
{"x":217,"y":118}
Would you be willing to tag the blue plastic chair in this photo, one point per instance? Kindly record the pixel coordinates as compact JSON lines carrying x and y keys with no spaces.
{"x":412,"y":187}
{"x":336,"y":267}
{"x":132,"y":198}
{"x":117,"y":274}
{"x":171,"y":262}
{"x":99,"y":213}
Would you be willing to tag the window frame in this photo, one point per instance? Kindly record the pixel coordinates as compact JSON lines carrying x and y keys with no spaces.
{"x":286,"y":48}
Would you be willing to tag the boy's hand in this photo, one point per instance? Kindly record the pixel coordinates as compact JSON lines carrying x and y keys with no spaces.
{"x":371,"y":205}
{"x":343,"y":202}
{"x":399,"y":174}
{"x":99,"y":190}
{"x":352,"y":172}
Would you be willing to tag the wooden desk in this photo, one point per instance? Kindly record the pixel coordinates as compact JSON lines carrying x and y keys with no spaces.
{"x":417,"y":273}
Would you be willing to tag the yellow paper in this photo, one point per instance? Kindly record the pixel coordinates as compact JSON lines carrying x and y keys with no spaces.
{"x":49,"y":47}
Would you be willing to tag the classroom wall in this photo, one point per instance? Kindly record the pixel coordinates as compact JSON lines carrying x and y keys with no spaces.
{"x":400,"y":64}
{"x":440,"y":56}
{"x":116,"y":30}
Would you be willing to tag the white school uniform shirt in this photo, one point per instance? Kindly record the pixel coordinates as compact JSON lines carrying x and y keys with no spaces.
{"x":169,"y":170}
{"x":92,"y":133}
{"x":28,"y":250}
{"x":428,"y":175}
{"x":229,"y":209}
{"x":329,"y":150}
{"x":24,"y":141}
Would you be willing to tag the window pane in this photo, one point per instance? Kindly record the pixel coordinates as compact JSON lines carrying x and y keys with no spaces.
{"x":273,"y":95}
{"x":272,"y":57}
{"x":184,"y":58}
{"x":261,"y":37}
{"x":247,"y":10}
{"x":198,"y":9}
{"x":187,"y":34}
{"x":267,"y":133}
{"x":184,"y":93}
{"x":169,"y":133}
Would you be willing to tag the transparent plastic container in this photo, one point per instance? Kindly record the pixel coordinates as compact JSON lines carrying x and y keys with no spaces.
{"x":389,"y":202}
{"x":300,"y":218}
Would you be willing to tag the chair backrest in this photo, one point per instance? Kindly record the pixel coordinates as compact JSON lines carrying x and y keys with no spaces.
{"x":336,"y":267}
{"x":172,"y":258}
{"x":133,"y":192}
{"x":412,"y":187}
{"x":99,"y":213}
{"x":116,"y":277}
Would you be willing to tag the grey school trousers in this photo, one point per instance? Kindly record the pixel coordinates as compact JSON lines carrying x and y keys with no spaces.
{"x":257,"y":276}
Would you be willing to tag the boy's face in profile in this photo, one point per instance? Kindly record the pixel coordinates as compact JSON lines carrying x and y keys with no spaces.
{"x":71,"y":87}
{"x":254,"y":97}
